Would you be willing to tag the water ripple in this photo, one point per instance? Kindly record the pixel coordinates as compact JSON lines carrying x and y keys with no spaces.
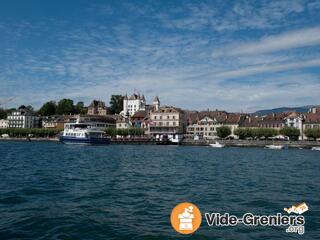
{"x":54,"y":191}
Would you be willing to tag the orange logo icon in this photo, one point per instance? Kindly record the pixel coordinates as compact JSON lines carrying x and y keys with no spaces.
{"x":185,"y":218}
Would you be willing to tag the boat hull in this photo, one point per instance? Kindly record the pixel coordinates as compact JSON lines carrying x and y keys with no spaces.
{"x":74,"y":140}
{"x":217,"y":145}
{"x":276,"y":147}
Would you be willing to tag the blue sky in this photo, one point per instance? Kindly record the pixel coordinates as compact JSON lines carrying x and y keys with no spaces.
{"x":232,"y":55}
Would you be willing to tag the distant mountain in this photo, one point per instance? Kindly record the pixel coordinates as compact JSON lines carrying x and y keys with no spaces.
{"x":303,"y":109}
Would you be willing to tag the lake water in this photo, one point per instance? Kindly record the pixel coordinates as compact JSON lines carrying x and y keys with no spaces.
{"x":55,"y":191}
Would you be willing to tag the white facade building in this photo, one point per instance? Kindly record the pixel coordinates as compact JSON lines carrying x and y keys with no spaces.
{"x":205,"y":128}
{"x":23,"y":119}
{"x":167,"y":122}
{"x":4,"y":123}
{"x":134,"y":103}
{"x":296,"y":121}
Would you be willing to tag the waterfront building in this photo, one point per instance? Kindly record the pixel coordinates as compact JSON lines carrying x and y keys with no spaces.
{"x":250,"y":121}
{"x":312,"y":120}
{"x":123,"y":122}
{"x":205,"y":124}
{"x":295,"y":120}
{"x":167,"y":122}
{"x":232,"y":121}
{"x":99,"y":121}
{"x":315,"y":109}
{"x":140,"y":119}
{"x":97,"y":108}
{"x":204,"y":128}
{"x":55,"y":121}
{"x":4,"y":123}
{"x":273,"y":120}
{"x":23,"y":118}
{"x":132,"y":104}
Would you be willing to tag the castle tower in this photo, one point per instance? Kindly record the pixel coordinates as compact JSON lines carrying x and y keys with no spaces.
{"x":125,"y":105}
{"x":156,"y":103}
{"x":143,"y":102}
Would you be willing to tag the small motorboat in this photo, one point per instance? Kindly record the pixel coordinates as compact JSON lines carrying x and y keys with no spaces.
{"x":279,"y":147}
{"x":315,"y":148}
{"x":217,"y":145}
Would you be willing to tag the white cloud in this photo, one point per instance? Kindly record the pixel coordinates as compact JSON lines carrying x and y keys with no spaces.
{"x":288,"y":40}
{"x":271,"y":68}
{"x":97,"y":60}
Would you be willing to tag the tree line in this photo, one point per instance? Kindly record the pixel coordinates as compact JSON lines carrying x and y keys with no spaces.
{"x":222,"y":132}
{"x":34,"y":132}
{"x":258,"y":133}
{"x":113,"y":132}
{"x":46,"y":132}
{"x":292,"y":133}
{"x":65,"y":107}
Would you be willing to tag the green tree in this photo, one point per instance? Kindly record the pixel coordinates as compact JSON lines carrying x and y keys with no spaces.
{"x":3,"y":114}
{"x":223,"y":132}
{"x":35,"y":132}
{"x":116,"y":104}
{"x":264,"y":132}
{"x":65,"y":106}
{"x":312,"y":133}
{"x":29,"y":107}
{"x":244,"y":133}
{"x":48,"y":109}
{"x":291,"y":132}
{"x":80,"y":108}
{"x":111,"y":131}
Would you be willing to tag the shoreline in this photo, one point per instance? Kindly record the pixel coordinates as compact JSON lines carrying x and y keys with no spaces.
{"x":190,"y":142}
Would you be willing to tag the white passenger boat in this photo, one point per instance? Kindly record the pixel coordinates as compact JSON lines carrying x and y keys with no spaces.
{"x":83,"y":133}
{"x":315,"y":148}
{"x":217,"y":145}
{"x":277,"y":146}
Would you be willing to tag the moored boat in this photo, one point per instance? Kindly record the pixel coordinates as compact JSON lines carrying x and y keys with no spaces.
{"x":279,"y":147}
{"x":83,"y":133}
{"x":217,"y":145}
{"x":315,"y":148}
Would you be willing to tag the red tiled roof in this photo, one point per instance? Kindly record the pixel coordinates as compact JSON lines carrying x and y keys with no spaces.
{"x":140,"y":114}
{"x":312,"y":118}
{"x":194,"y":117}
{"x":233,"y":118}
{"x":251,"y":121}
